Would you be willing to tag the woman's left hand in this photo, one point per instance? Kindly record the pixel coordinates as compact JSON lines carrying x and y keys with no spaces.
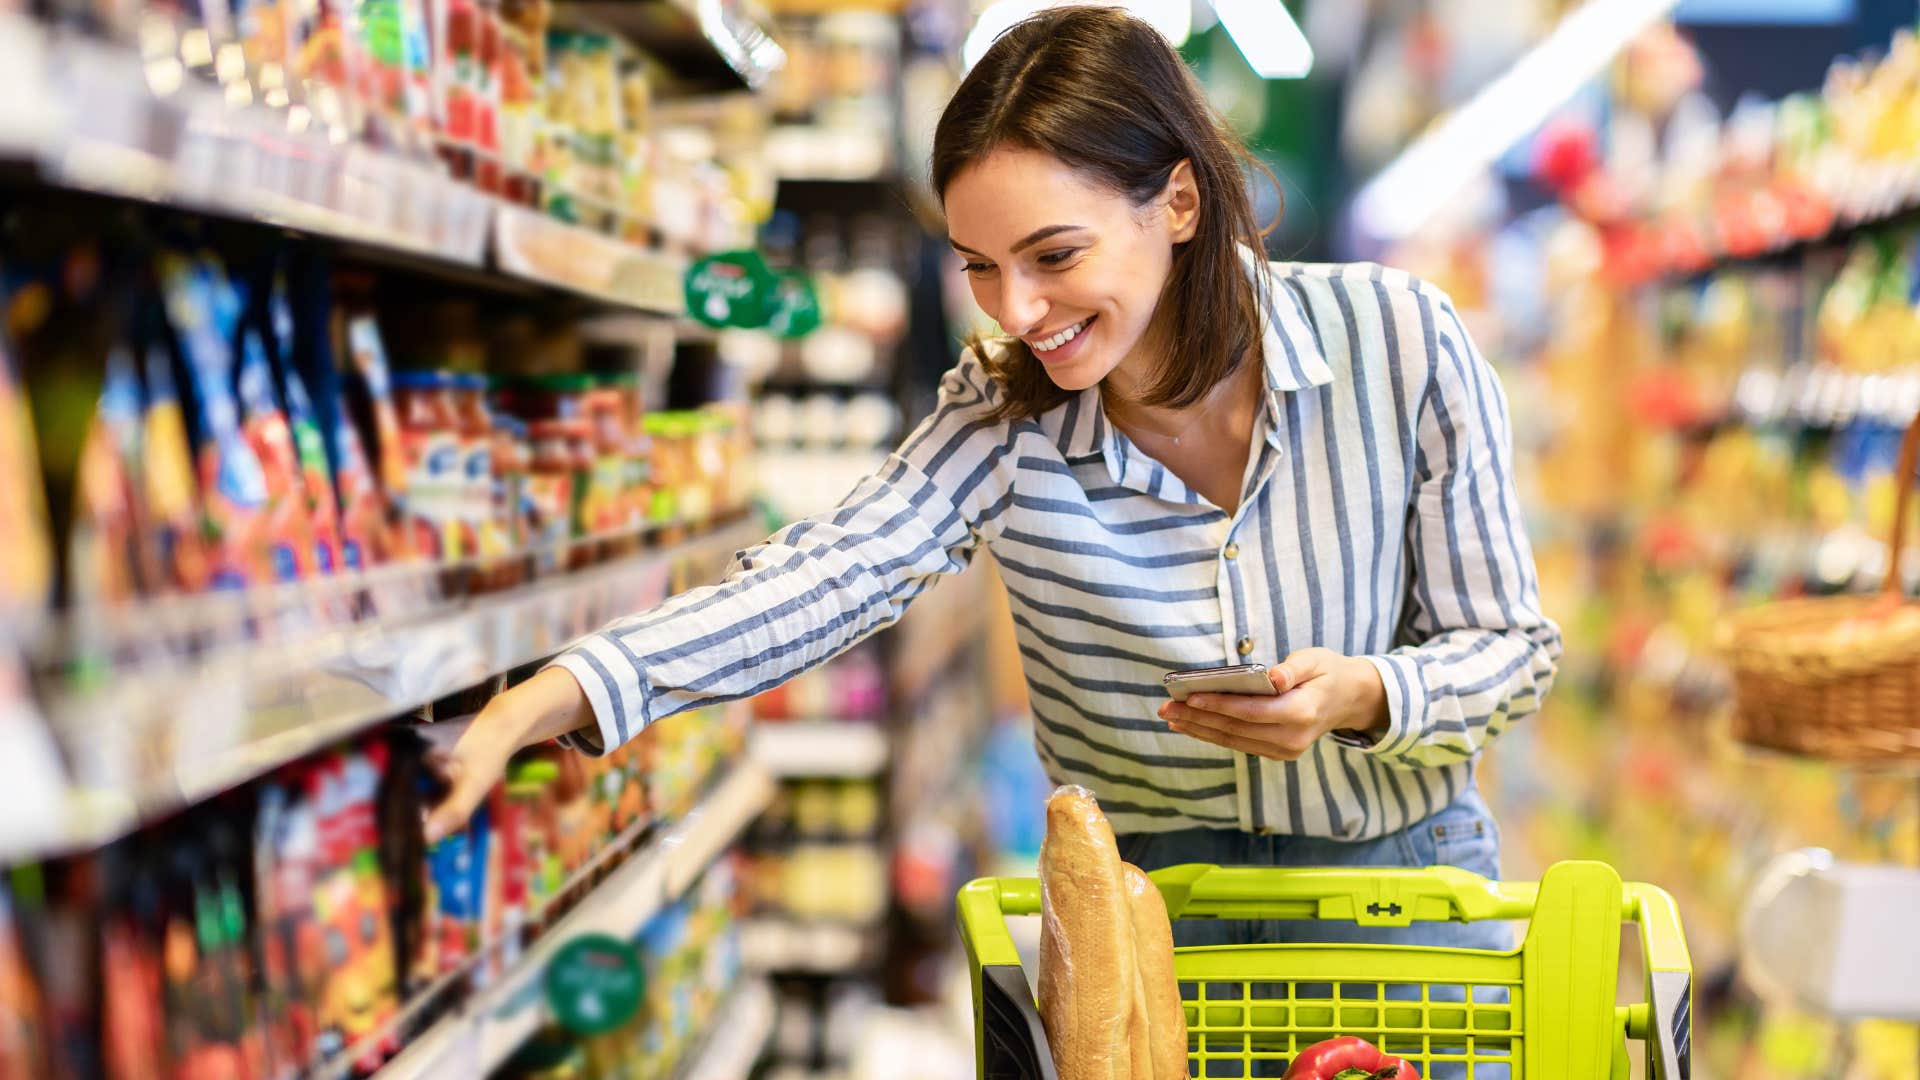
{"x":1318,"y":690}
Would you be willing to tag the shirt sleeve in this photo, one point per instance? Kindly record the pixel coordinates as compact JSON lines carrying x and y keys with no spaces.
{"x":815,"y":588}
{"x":1480,"y":653}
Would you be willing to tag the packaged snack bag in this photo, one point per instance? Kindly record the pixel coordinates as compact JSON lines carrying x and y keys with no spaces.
{"x":232,"y":484}
{"x":26,"y":574}
{"x":289,"y":528}
{"x":316,"y":479}
{"x":388,"y":454}
{"x":171,"y":493}
{"x":23,"y":1035}
{"x":458,"y":864}
{"x":103,"y":562}
{"x":133,"y":1031}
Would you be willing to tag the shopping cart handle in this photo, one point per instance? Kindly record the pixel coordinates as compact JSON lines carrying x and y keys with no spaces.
{"x":1668,"y":1024}
{"x":1368,"y":896}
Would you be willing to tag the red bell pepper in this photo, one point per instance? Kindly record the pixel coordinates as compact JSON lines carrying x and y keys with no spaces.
{"x":1348,"y":1058}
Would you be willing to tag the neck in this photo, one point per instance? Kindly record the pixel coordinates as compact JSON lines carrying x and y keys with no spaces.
{"x":1121,"y":391}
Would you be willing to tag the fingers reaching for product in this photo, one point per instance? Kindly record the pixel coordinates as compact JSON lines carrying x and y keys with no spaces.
{"x":544,"y":707}
{"x":470,"y":770}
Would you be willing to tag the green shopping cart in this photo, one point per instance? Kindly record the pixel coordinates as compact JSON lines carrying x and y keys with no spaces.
{"x":1545,"y":1010}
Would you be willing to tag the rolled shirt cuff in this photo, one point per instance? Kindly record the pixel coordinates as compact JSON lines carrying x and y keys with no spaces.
{"x":1406,"y":706}
{"x":615,"y":690}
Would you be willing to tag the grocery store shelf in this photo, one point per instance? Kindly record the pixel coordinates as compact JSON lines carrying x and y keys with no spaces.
{"x":533,"y":246}
{"x":1826,"y":395}
{"x":184,"y":731}
{"x":91,"y":115}
{"x":773,"y":944}
{"x":740,"y":1029}
{"x":488,"y":1029}
{"x":1897,"y":207}
{"x":806,"y":152}
{"x":820,"y":748}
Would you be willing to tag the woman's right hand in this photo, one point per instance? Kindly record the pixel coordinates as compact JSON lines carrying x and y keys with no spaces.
{"x":547,"y":706}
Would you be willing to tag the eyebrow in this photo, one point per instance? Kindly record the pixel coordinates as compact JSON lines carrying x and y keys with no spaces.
{"x":1031,"y":239}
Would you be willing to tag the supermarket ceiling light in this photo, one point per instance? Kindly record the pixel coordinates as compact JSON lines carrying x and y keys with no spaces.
{"x":1173,"y":18}
{"x":1411,"y":189}
{"x":1265,"y":33}
{"x":741,"y":42}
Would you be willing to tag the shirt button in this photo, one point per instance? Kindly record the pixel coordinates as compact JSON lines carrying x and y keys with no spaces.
{"x":1231,"y":551}
{"x":1246,"y":646}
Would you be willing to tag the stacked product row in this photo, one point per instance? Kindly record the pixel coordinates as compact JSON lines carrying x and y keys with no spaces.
{"x":495,"y":94}
{"x":211,"y":426}
{"x":300,"y":926}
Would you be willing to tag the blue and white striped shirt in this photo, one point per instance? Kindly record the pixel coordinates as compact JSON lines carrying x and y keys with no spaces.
{"x":1379,"y":518}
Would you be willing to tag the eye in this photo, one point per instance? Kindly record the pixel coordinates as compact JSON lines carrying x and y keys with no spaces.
{"x":976,"y":268}
{"x":1058,"y":258}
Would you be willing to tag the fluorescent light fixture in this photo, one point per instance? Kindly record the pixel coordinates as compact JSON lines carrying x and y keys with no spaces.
{"x":1764,"y":12}
{"x":740,"y":41}
{"x":1267,"y":36}
{"x":999,"y":17}
{"x":1439,"y":163}
{"x":1173,"y":18}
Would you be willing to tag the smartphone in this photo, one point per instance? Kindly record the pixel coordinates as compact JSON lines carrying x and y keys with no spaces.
{"x":1237,"y":679}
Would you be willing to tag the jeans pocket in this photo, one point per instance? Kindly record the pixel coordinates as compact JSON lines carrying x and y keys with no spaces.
{"x":1464,"y":835}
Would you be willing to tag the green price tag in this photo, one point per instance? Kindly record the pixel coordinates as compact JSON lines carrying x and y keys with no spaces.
{"x":731,"y":289}
{"x":594,"y":984}
{"x":796,"y":305}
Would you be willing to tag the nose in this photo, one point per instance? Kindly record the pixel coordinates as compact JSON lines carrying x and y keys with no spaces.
{"x":1022,"y":308}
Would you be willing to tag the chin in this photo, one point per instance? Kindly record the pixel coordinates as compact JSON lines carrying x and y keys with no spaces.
{"x":1074,"y":378}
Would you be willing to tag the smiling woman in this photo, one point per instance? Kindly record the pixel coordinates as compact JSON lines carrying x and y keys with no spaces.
{"x":1181,"y":456}
{"x":1095,"y":121}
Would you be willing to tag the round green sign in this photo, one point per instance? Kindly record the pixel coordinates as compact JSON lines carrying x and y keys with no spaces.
{"x":594,"y":984}
{"x":734,"y":288}
{"x":796,"y":305}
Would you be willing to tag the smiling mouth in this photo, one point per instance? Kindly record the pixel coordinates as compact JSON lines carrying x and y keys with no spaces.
{"x":1054,"y":341}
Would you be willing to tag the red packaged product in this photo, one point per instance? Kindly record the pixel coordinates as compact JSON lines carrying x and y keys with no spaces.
{"x":475,"y":425}
{"x":430,"y":438}
{"x":133,"y":1026}
{"x":288,"y":522}
{"x":550,"y":492}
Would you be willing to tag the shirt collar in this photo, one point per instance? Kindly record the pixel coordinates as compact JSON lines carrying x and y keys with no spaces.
{"x":1289,"y":347}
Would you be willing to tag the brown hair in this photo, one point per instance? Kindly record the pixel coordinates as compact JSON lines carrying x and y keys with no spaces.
{"x":1103,"y":92}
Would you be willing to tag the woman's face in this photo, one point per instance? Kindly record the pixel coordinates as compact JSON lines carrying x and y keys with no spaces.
{"x":1071,"y":267}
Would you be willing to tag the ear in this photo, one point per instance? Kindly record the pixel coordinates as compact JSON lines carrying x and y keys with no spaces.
{"x":1181,"y":197}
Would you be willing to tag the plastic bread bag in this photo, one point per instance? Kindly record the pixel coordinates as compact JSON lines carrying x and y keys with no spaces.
{"x":1089,"y":979}
{"x":1159,"y":997}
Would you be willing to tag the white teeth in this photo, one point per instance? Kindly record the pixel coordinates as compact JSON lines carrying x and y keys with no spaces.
{"x":1061,"y":338}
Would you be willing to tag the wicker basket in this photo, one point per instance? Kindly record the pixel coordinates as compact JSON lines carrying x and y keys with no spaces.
{"x":1834,"y":677}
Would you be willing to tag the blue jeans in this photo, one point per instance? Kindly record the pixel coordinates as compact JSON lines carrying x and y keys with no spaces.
{"x":1462,"y":834}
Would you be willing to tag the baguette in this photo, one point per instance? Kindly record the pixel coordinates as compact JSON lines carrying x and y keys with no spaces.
{"x":1089,"y":977}
{"x":1160,"y":988}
